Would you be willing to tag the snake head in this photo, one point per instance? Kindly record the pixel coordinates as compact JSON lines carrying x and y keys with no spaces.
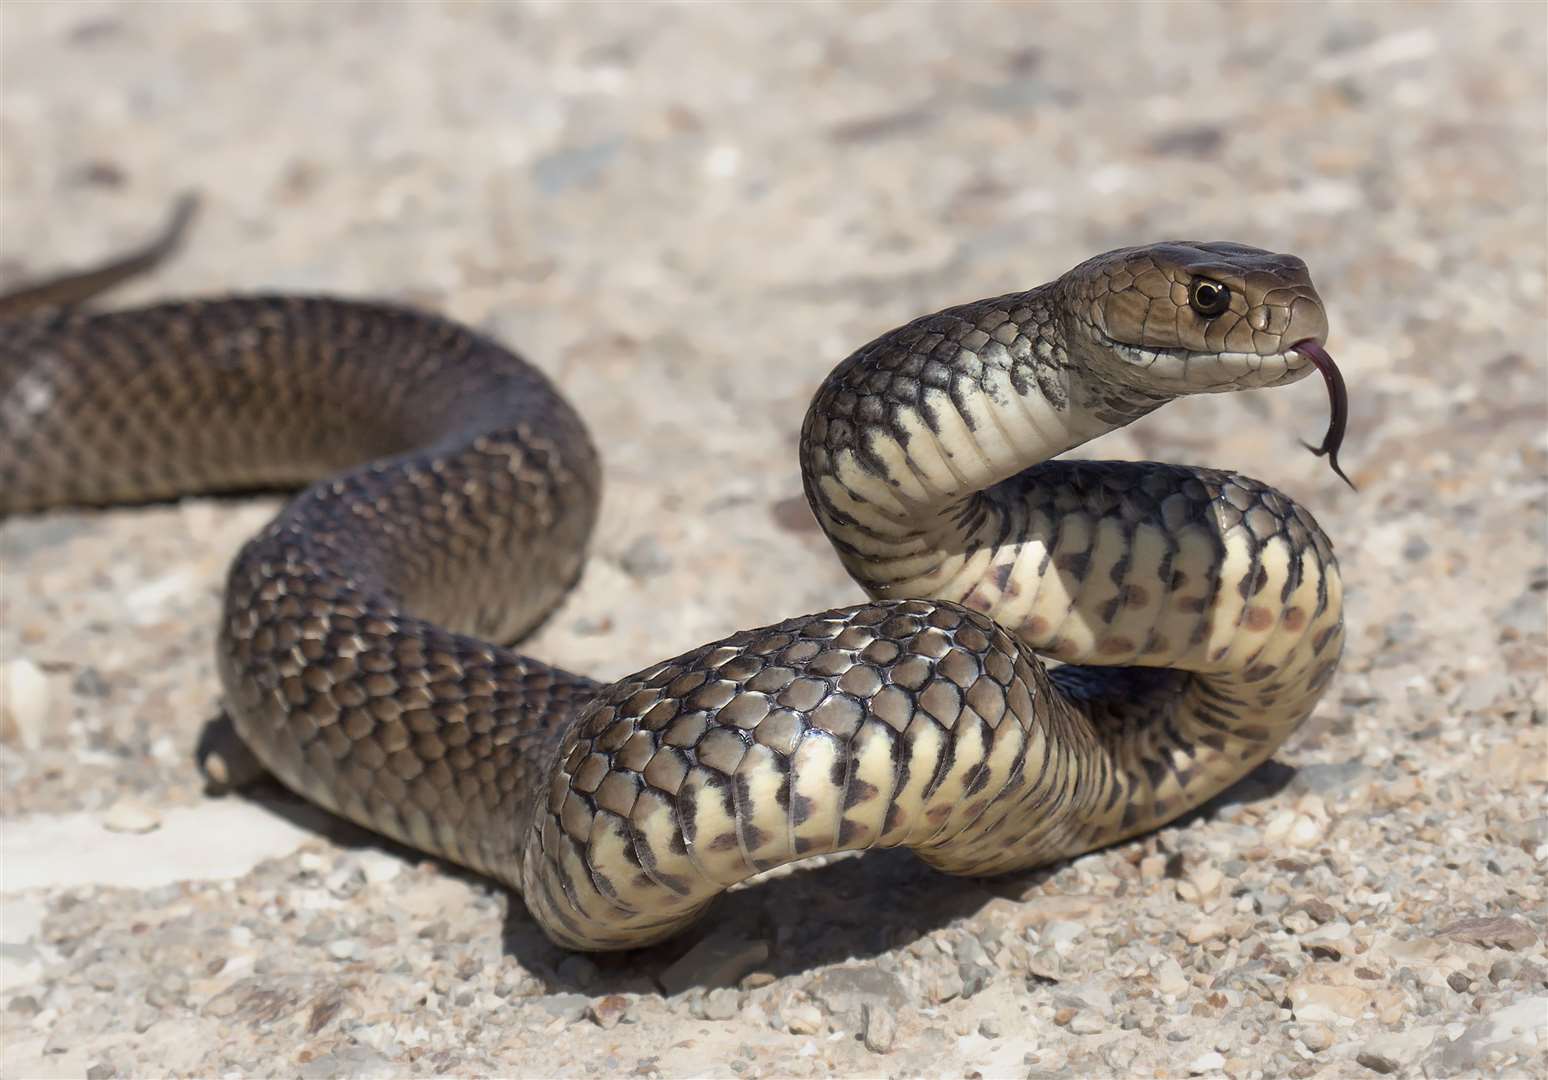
{"x":1186,"y":318}
{"x":1180,"y":318}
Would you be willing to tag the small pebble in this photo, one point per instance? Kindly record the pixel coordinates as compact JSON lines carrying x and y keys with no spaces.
{"x":1377,"y":1063}
{"x":1493,"y":932}
{"x":1278,"y":827}
{"x":1320,"y":910}
{"x":722,"y":1003}
{"x":948,"y":987}
{"x":1213,"y":1061}
{"x":606,"y":1012}
{"x":131,"y":816}
{"x":804,"y":1018}
{"x":1304,"y":832}
{"x":1502,"y":971}
{"x":1204,"y":930}
{"x":1087,"y":1022}
{"x":1169,"y":977}
{"x":345,"y":882}
{"x":844,"y":991}
{"x":1062,"y":935}
{"x":975,"y":977}
{"x":1321,"y":1003}
{"x":1201,"y":886}
{"x":1316,"y":1037}
{"x":879,"y":1028}
{"x":565,"y":1007}
{"x":1044,"y":967}
{"x":1395,"y":1049}
{"x":27,"y":703}
{"x":1330,"y":942}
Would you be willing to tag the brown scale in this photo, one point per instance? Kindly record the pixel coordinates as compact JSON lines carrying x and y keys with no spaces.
{"x":452,"y":492}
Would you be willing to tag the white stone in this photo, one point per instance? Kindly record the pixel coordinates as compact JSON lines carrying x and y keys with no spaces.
{"x":28,"y":701}
{"x":1304,"y":832}
{"x":1213,"y":1061}
{"x":131,"y":816}
{"x":1061,"y":934}
{"x":1403,"y":1047}
{"x":1207,"y":880}
{"x":379,"y":868}
{"x":1087,"y":1022}
{"x":804,"y":1019}
{"x":1170,"y":978}
{"x":1316,"y":1037}
{"x":1318,"y":1003}
{"x":1202,"y":930}
{"x":723,"y":161}
{"x":1278,"y":827}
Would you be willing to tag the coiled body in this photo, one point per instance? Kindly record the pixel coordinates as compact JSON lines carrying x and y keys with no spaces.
{"x":1197,"y":613}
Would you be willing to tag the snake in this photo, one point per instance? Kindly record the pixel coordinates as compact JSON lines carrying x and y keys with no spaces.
{"x":1055,"y":655}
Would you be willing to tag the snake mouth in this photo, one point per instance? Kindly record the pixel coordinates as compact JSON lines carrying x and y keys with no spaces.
{"x":1197,"y":371}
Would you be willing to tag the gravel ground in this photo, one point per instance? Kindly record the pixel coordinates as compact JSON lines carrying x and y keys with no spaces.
{"x":687,"y":214}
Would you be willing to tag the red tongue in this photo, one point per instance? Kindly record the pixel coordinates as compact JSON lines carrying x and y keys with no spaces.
{"x":1338,"y":398}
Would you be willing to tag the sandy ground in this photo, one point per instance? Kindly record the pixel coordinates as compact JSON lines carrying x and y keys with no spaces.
{"x":687,"y":214}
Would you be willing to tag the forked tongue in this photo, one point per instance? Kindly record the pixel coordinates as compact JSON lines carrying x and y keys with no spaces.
{"x":1338,"y":399}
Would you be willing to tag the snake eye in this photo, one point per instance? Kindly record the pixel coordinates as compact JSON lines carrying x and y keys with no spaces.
{"x":1208,"y":298}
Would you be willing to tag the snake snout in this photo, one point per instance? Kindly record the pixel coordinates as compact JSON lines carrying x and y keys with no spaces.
{"x":1308,"y":322}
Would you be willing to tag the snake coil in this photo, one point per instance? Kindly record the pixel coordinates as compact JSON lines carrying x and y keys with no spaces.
{"x":1196,"y":614}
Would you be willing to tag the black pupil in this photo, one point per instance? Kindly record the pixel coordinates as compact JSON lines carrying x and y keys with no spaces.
{"x":1209,"y":297}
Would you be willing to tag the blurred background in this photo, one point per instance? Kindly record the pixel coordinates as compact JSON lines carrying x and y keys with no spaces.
{"x":687,"y":214}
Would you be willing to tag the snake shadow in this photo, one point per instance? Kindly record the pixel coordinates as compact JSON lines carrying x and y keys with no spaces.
{"x":855,"y":906}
